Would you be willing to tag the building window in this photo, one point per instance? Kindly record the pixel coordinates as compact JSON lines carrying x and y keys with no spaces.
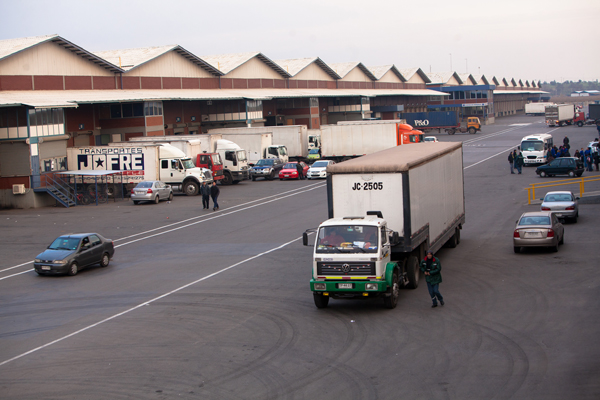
{"x":153,"y":108}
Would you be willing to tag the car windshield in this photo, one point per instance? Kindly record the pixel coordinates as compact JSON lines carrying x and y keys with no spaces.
{"x":188,"y":163}
{"x":314,"y":151}
{"x":64,"y":243}
{"x":144,"y":185}
{"x":347,"y":239}
{"x":528,"y":145}
{"x":535,"y":221}
{"x":290,"y":166}
{"x":319,"y":164}
{"x":557,"y":197}
{"x":265,"y":162}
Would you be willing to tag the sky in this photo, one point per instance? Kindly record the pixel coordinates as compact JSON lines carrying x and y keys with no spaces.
{"x":523,"y":39}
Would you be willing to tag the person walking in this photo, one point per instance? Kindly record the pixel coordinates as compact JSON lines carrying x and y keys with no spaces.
{"x":514,"y":156}
{"x":431,"y":268}
{"x":511,"y":162}
{"x":566,"y":142}
{"x":205,"y":192}
{"x":588,"y":159}
{"x":519,"y":162}
{"x":214,"y":193}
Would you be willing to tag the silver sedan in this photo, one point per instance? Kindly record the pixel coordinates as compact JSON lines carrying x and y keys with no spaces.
{"x":562,"y":204}
{"x":154,"y":191}
{"x":538,"y":229}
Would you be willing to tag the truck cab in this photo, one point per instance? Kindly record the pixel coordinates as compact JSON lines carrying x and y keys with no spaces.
{"x":314,"y":141}
{"x":178,"y":170}
{"x":473,"y":122}
{"x":235,"y":162}
{"x":352,"y":259}
{"x":213,"y":162}
{"x":277,"y":151}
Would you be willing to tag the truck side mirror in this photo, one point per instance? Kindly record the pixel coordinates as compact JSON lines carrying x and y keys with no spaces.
{"x":394,"y":238}
{"x":305,"y":238}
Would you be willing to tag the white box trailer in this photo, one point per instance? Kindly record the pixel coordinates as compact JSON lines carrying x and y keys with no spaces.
{"x":537,"y":108}
{"x":255,"y":144}
{"x":293,"y":137}
{"x":386,"y":210}
{"x":560,"y":114}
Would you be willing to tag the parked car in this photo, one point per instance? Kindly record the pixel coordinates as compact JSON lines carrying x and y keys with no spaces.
{"x":314,"y":154}
{"x":290,"y":171}
{"x":430,"y":139}
{"x":561,"y":166}
{"x":267,"y":168}
{"x":538,"y":229}
{"x":319,"y":169}
{"x":562,"y":204}
{"x":69,"y":254}
{"x":153,"y":191}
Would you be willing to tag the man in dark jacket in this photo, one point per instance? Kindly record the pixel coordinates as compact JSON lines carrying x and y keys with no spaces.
{"x":300,"y":170}
{"x":431,"y":268}
{"x":214,"y":193}
{"x":519,"y":162}
{"x":205,"y":192}
{"x":511,"y":162}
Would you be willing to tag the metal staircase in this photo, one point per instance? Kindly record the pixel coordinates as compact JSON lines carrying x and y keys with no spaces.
{"x":59,"y":189}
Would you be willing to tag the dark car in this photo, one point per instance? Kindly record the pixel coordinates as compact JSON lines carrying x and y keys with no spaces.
{"x":267,"y":168}
{"x":68,"y":254}
{"x":561,"y":166}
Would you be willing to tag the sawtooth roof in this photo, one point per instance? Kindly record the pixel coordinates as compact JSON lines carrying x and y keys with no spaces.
{"x":225,"y":63}
{"x":294,"y":66}
{"x":343,"y":69}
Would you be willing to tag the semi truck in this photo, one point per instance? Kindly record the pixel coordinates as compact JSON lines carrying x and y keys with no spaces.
{"x":204,"y":149}
{"x":351,"y":139}
{"x":142,"y":162}
{"x":257,"y":145}
{"x":383,"y":218}
{"x":293,"y":137}
{"x":537,"y":108}
{"x":448,"y":121}
{"x":594,"y":113}
{"x":564,"y":114}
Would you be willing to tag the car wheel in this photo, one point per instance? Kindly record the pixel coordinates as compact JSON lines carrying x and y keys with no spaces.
{"x":412,"y":272}
{"x":392,"y":300}
{"x":574,"y":219}
{"x":280,"y":179}
{"x":253,"y":178}
{"x":555,"y":247}
{"x":320,"y":300}
{"x":580,"y":173}
{"x":542,"y":174}
{"x":156,"y":200}
{"x":105,"y":260}
{"x":135,"y":202}
{"x":73,"y":269}
{"x":571,"y":174}
{"x":562,"y":239}
{"x":517,"y":249}
{"x":171,"y":196}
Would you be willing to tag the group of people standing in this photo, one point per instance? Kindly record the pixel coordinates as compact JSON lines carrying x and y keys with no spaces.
{"x":516,"y":161}
{"x":589,"y":157}
{"x":210,"y":191}
{"x":562,"y":151}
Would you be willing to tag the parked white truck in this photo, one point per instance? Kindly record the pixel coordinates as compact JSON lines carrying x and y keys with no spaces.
{"x":293,"y":137}
{"x":141,"y":162}
{"x":235,"y":163}
{"x":386,"y":210}
{"x":560,"y":114}
{"x":257,"y":145}
{"x":350,"y":139}
{"x":537,"y":108}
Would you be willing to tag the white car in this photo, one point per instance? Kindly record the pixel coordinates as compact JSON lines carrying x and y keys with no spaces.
{"x":319,"y":169}
{"x":430,"y":139}
{"x":563,"y":204}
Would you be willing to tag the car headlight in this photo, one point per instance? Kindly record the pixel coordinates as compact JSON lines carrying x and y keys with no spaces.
{"x":37,"y":260}
{"x":59,"y":261}
{"x":371,"y":286}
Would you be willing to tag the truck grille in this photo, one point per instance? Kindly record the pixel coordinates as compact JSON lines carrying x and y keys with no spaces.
{"x":346,"y":268}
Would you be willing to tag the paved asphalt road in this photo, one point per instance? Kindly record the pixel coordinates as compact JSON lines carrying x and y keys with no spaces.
{"x":216,"y":305}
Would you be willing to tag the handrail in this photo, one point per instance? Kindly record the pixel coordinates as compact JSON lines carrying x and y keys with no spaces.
{"x":581,"y":181}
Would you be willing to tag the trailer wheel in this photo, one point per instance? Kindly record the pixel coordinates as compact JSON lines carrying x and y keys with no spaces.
{"x":412,"y":272}
{"x":452,"y":242}
{"x":451,"y":131}
{"x":472,"y":130}
{"x":227,"y":179}
{"x":320,"y":300}
{"x":190,"y":188}
{"x":392,"y":300}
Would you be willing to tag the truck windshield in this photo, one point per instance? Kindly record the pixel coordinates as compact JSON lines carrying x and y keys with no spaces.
{"x":188,"y":163}
{"x":217,"y":159}
{"x":241,"y":155}
{"x":529,"y":145}
{"x":347,"y":239}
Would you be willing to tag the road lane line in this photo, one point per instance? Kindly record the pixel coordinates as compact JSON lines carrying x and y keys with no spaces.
{"x":148,"y":302}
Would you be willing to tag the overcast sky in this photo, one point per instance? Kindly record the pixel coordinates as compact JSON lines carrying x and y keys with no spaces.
{"x":522,"y":39}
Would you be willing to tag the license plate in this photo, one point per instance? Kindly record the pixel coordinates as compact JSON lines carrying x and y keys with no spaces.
{"x":46,"y":267}
{"x":345,"y":285}
{"x":286,"y":176}
{"x":533,"y":234}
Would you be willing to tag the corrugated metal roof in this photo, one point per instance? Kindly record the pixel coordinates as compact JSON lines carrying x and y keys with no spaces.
{"x":467,"y":79}
{"x":294,"y":66}
{"x":381,"y":70}
{"x":408,"y":73}
{"x":128,"y":59}
{"x":10,"y":47}
{"x":343,"y":69}
{"x":530,"y":91}
{"x":226,"y":63}
{"x":443,"y":77}
{"x":70,"y":98}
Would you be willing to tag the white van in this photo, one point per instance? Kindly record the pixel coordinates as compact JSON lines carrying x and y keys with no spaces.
{"x":535,"y":147}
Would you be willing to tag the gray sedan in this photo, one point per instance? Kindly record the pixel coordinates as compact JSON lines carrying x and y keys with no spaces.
{"x":154,"y":191}
{"x":562,"y":204}
{"x":538,"y":229}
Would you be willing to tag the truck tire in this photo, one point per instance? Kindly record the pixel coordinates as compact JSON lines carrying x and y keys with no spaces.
{"x":472,"y":130}
{"x":320,"y":300}
{"x":579,"y":124}
{"x":452,"y":242}
{"x":190,"y":188}
{"x":451,"y":131}
{"x":392,"y":300}
{"x":227,"y":179}
{"x":412,"y":272}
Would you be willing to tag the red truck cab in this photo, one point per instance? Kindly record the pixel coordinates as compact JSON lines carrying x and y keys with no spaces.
{"x":213,"y":162}
{"x":579,"y":118}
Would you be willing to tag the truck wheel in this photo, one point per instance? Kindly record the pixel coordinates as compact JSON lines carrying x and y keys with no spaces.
{"x":272,"y":176}
{"x":412,"y":272}
{"x":227,"y":179}
{"x":451,"y":131}
{"x":580,"y":124}
{"x":452,"y":242}
{"x":457,"y":236}
{"x":253,"y":178}
{"x":392,"y":300}
{"x":472,"y":130}
{"x":320,"y":300}
{"x":190,"y":188}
